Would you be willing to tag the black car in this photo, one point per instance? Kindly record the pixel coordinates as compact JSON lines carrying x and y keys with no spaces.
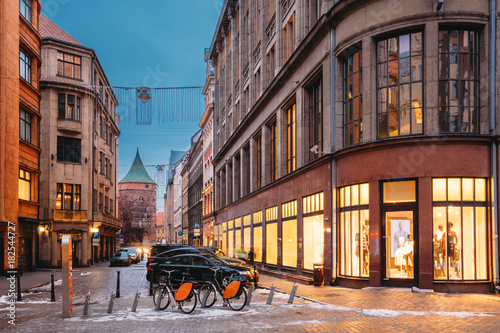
{"x":160,"y":248}
{"x":120,"y":258}
{"x":201,"y":267}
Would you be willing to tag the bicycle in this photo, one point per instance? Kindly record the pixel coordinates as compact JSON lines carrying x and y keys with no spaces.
{"x":232,"y":291}
{"x":185,"y":295}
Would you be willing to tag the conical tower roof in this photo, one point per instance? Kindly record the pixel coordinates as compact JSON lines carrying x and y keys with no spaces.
{"x":137,"y":172}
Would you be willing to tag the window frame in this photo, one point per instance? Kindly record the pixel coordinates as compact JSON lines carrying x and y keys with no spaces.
{"x":24,"y":180}
{"x":25,"y":9}
{"x":63,"y":144}
{"x":315,"y":116}
{"x":62,"y":71}
{"x":24,"y":125}
{"x":352,"y":126}
{"x":291,"y":137}
{"x":24,"y":65}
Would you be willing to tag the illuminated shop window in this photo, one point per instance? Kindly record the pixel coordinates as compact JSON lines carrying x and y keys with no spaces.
{"x":224,"y":238}
{"x":289,"y":231}
{"x":272,"y":235}
{"x":313,"y":230}
{"x":354,"y":231}
{"x":460,"y":229}
{"x":247,"y":220}
{"x":257,"y":236}
{"x":237,"y":236}
{"x":399,"y":85}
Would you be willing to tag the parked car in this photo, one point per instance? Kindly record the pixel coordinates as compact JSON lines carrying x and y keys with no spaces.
{"x":200,"y":267}
{"x":159,"y":248}
{"x":159,"y":258}
{"x":218,"y":252}
{"x":120,"y":258}
{"x":133,"y":253}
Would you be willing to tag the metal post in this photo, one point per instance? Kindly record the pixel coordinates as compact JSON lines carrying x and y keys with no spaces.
{"x":271,"y":294}
{"x":52,"y":289}
{"x":18,"y":281}
{"x":249,"y":297}
{"x":292,"y":294}
{"x":87,"y":302}
{"x":111,"y":302}
{"x":151,"y":282}
{"x":118,"y":284}
{"x":136,"y":300}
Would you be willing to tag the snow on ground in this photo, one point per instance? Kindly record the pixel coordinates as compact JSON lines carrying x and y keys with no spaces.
{"x":46,"y":287}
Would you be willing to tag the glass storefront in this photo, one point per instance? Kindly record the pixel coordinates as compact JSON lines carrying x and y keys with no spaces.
{"x":289,"y":231}
{"x":272,"y":236}
{"x":257,"y":236}
{"x":459,"y":229}
{"x":354,"y":231}
{"x":247,"y":222}
{"x":313,"y":230}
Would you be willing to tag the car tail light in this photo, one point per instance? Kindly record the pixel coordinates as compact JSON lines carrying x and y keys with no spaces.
{"x":149,"y":268}
{"x":150,"y":261}
{"x":244,"y":283}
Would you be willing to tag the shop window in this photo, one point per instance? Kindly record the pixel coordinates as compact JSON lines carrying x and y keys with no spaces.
{"x":272,"y":236}
{"x":458,"y":92}
{"x":289,"y":231}
{"x":460,"y":229}
{"x":313,"y":230}
{"x":257,"y":236}
{"x":353,"y":99}
{"x":354,"y":231}
{"x":396,"y":192}
{"x":399,"y":85}
{"x":237,"y":236}
{"x":24,"y":185}
{"x":247,"y":221}
{"x":223,"y":240}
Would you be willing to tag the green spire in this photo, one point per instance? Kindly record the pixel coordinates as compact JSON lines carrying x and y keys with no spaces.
{"x":137,"y":172}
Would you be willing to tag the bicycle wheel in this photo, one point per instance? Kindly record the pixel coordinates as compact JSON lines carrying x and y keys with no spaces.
{"x":207,"y":292}
{"x":188,"y":305}
{"x":161,"y":296}
{"x":238,"y":302}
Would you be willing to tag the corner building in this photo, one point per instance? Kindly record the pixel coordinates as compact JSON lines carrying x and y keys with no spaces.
{"x":392,"y":183}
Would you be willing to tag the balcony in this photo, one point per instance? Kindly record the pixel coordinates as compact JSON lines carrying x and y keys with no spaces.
{"x":270,"y":30}
{"x":256,"y":54}
{"x":70,"y":215}
{"x":108,"y":219}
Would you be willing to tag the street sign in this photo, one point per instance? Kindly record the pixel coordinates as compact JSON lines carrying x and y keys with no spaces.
{"x":197,"y":225}
{"x":179,"y":233}
{"x":95,"y":241}
{"x":95,"y":235}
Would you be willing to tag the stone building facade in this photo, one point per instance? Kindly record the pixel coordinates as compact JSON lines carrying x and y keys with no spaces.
{"x":359,"y":138}
{"x":79,"y":136}
{"x":19,"y":133}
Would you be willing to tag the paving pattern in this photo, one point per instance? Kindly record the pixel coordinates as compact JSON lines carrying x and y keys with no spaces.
{"x":316,"y":309}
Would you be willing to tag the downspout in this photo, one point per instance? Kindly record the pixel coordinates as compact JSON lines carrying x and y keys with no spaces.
{"x":494,"y":148}
{"x":334,"y":162}
{"x":93,"y":157}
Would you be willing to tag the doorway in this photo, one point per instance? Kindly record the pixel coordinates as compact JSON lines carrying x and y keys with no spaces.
{"x":400,"y":234}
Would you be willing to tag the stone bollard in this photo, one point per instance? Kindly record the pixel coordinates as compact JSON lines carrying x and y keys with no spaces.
{"x":136,"y":301}
{"x":111,"y":302}
{"x":292,"y":294}
{"x":271,"y":295}
{"x":87,"y":303}
{"x":249,"y":297}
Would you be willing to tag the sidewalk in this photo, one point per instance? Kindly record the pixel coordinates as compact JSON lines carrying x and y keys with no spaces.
{"x":390,"y":299}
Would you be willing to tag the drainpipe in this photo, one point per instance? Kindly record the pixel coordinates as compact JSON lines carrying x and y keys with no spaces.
{"x":334,"y":162}
{"x":93,"y":158}
{"x":494,"y":162}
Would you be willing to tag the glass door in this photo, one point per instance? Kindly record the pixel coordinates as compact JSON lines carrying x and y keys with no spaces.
{"x":399,"y":239}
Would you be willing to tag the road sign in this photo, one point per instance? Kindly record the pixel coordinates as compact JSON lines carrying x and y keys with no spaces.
{"x":95,"y":235}
{"x":95,"y":241}
{"x":197,"y":225}
{"x":179,"y":233}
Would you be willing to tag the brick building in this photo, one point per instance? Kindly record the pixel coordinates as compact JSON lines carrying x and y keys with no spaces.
{"x":19,"y":133}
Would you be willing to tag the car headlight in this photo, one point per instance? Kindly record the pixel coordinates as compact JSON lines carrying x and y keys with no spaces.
{"x":246,"y":273}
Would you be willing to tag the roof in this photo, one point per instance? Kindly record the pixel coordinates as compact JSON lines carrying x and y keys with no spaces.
{"x":176,"y":155}
{"x":49,"y":29}
{"x":137,"y":172}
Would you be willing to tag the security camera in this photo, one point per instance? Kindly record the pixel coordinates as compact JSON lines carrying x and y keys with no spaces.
{"x":314,"y":149}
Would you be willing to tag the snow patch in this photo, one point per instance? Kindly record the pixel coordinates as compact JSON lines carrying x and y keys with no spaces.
{"x":46,"y":287}
{"x":88,"y":273}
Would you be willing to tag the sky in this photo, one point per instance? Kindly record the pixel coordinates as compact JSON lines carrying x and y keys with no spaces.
{"x":153,"y":43}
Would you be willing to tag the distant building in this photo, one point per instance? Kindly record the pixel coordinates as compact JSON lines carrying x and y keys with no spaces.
{"x":137,"y":201}
{"x":19,"y":134}
{"x":79,"y":137}
{"x":206,"y":124}
{"x":177,"y":191}
{"x":194,"y":169}
{"x":161,"y":236}
{"x":171,"y":235}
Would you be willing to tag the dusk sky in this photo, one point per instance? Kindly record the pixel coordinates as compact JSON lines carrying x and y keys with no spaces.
{"x":154,"y":43}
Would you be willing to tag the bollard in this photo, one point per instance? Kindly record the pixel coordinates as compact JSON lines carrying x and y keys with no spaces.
{"x":292,"y":294}
{"x":18,"y":280}
{"x":111,"y":302}
{"x":151,"y":281}
{"x":52,"y":289}
{"x":136,"y":300}
{"x":204,"y":300}
{"x":249,"y":297}
{"x":87,"y":302}
{"x":157,"y":301}
{"x":271,"y":294}
{"x":118,"y":284}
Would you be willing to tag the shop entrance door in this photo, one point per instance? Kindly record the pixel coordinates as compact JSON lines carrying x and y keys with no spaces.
{"x":400,"y":250}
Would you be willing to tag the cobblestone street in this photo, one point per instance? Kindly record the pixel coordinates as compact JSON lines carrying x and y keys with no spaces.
{"x":318,"y":309}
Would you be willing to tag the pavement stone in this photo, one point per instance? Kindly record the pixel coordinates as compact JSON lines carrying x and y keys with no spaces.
{"x":315,"y":309}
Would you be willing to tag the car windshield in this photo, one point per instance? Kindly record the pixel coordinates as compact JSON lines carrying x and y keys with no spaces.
{"x":121,"y":254}
{"x":216,"y":260}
